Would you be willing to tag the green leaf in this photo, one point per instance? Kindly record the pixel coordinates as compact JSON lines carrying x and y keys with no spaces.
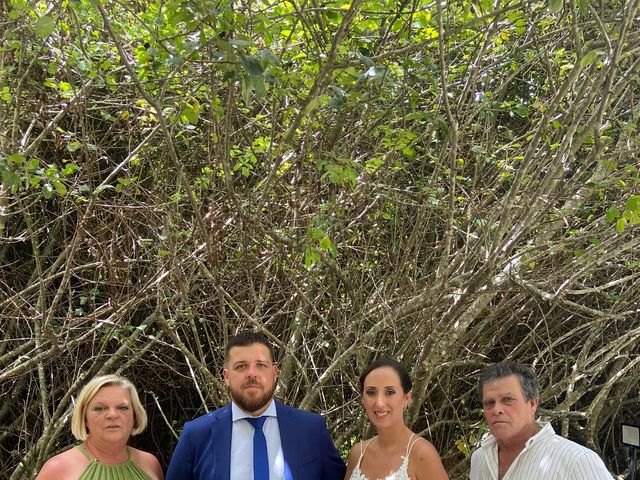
{"x":583,"y":6}
{"x":70,"y":168}
{"x":73,"y":146}
{"x":16,"y":159}
{"x":338,"y":96}
{"x":247,"y":88}
{"x":60,"y":187}
{"x":5,"y":94}
{"x":258,"y":84}
{"x":11,"y":179}
{"x":102,"y":188}
{"x":251,"y":65}
{"x":190,"y":114}
{"x":269,"y":57}
{"x":47,"y":190}
{"x":612,"y":214}
{"x":33,"y":165}
{"x":590,"y":57}
{"x":239,"y":43}
{"x":366,"y":61}
{"x":555,"y":6}
{"x":325,"y":243}
{"x":633,"y":203}
{"x":522,"y":111}
{"x":415,"y":116}
{"x":45,"y":25}
{"x":620,"y":224}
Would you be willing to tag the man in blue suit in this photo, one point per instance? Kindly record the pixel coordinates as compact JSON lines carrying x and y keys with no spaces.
{"x":220,"y":445}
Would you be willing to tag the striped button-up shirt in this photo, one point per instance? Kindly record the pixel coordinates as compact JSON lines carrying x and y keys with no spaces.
{"x":546,"y":456}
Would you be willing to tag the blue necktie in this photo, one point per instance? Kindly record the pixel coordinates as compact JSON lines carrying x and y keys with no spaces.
{"x":260,"y":457}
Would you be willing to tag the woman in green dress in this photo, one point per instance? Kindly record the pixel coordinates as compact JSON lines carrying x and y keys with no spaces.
{"x":107,"y":412}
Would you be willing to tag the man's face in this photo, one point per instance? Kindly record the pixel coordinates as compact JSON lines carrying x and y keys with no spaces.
{"x":251,"y":376}
{"x":511,"y":418}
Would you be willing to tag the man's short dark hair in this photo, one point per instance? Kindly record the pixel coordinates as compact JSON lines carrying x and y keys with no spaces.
{"x":245,"y":339}
{"x":526,"y":375}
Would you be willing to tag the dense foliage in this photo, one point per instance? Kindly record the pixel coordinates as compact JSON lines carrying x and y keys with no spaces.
{"x":448,"y":183}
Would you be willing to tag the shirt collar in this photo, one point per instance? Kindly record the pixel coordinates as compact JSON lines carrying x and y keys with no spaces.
{"x":238,"y":414}
{"x":545,"y":430}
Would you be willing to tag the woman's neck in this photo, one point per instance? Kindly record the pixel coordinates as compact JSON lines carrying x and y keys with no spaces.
{"x":107,"y":453}
{"x":392,"y":437}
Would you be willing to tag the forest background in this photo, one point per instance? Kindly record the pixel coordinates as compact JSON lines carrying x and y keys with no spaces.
{"x":448,"y":183}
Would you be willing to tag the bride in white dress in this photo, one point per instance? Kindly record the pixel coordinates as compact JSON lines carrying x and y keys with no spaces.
{"x":396,"y":453}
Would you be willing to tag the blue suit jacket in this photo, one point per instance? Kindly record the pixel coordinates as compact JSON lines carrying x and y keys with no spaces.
{"x":203,"y":451}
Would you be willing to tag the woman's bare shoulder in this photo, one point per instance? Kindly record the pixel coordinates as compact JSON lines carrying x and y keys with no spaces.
{"x":358,"y":448}
{"x":424,"y":447}
{"x":425,"y":461}
{"x":69,"y":465}
{"x":148,"y":462}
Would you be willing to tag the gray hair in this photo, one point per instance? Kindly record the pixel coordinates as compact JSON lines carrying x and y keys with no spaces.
{"x":526,"y":375}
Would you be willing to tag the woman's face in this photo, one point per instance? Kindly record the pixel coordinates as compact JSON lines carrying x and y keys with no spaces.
{"x":109,"y":416}
{"x":383,"y":397}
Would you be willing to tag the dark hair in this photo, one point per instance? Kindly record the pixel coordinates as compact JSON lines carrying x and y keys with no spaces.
{"x":405,"y":379}
{"x":245,"y":339}
{"x":527,"y":377}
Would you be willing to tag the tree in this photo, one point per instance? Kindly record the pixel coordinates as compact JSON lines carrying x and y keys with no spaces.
{"x":447,"y":184}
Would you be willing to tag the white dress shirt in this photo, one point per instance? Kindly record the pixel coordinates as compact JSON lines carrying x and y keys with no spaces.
{"x":546,"y":456}
{"x":241,"y":466}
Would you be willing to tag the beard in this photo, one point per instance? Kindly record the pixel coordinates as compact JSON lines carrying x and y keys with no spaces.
{"x":251,"y":403}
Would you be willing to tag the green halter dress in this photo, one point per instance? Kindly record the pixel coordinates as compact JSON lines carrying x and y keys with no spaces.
{"x":104,"y":471}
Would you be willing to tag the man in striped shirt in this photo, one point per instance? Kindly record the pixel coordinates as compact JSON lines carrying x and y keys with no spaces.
{"x":519,"y":447}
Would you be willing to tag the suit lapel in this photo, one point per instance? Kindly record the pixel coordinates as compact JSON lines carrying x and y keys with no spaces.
{"x":221,"y":444}
{"x":288,"y":440}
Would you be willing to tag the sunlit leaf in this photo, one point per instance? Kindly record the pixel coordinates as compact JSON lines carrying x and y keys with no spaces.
{"x":16,"y":159}
{"x":555,"y":6}
{"x":633,"y":203}
{"x":73,"y":146}
{"x":190,"y":114}
{"x":70,"y":168}
{"x":590,"y":57}
{"x":45,"y":26}
{"x":60,"y":187}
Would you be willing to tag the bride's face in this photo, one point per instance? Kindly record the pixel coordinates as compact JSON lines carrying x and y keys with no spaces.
{"x":383,"y":397}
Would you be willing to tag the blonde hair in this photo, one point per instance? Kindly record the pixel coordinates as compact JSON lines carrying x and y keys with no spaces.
{"x":78,"y":421}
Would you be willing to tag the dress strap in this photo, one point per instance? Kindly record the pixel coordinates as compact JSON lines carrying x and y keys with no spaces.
{"x":364,"y":447}
{"x":85,"y":452}
{"x":411,"y":443}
